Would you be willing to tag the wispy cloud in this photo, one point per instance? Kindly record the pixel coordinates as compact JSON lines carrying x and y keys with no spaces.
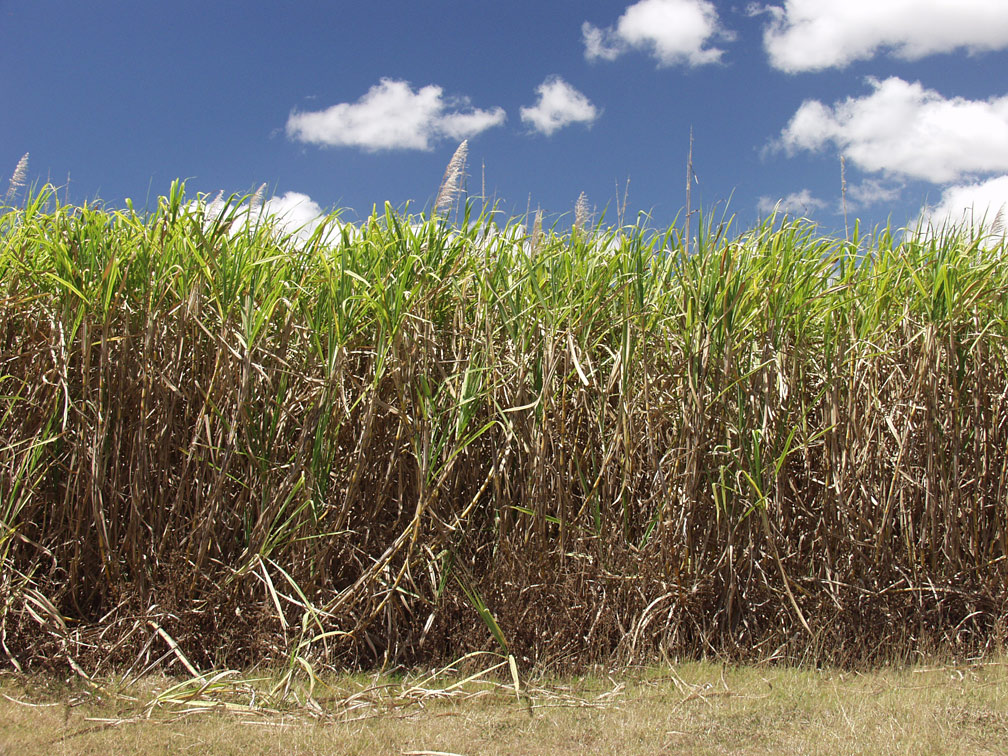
{"x":673,"y":31}
{"x":391,"y":116}
{"x":559,"y":105}
{"x":871,"y":193}
{"x":796,"y":203}
{"x":809,"y":35}
{"x":860,"y":195}
{"x":601,"y":43}
{"x":903,"y":129}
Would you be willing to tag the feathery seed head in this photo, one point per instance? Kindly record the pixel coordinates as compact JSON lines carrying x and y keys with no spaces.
{"x":257,"y":199}
{"x":581,"y":212}
{"x":997,"y":226}
{"x":451,"y":184}
{"x":537,"y":234}
{"x":17,"y":180}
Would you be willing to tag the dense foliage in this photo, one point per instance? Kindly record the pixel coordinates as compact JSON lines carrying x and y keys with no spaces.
{"x":398,"y":442}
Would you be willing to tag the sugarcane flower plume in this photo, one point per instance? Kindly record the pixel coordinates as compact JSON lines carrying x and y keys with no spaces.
{"x":451,"y":184}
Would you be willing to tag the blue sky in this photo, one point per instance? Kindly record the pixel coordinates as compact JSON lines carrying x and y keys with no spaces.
{"x":351,"y":104}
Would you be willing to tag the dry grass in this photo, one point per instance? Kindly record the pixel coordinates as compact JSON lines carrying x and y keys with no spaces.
{"x":690,"y":708}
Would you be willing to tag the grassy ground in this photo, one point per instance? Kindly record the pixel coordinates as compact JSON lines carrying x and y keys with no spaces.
{"x":691,"y":708}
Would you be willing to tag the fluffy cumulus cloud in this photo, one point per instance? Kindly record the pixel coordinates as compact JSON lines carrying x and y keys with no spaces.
{"x":809,"y":35}
{"x":392,"y":116}
{"x":977,"y":205}
{"x":673,"y":31}
{"x":299,"y":215}
{"x":292,"y":214}
{"x":559,"y":105}
{"x":904,"y":130}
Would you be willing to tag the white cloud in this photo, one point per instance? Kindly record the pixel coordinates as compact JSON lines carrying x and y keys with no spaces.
{"x":599,"y":43}
{"x":796,"y":203}
{"x":867,"y":193}
{"x":559,"y":105}
{"x":973,"y":205}
{"x":298,"y":214}
{"x":903,"y":129}
{"x":392,"y":116}
{"x":673,"y":31}
{"x":293,"y":214}
{"x":871,"y":192}
{"x":809,"y":35}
